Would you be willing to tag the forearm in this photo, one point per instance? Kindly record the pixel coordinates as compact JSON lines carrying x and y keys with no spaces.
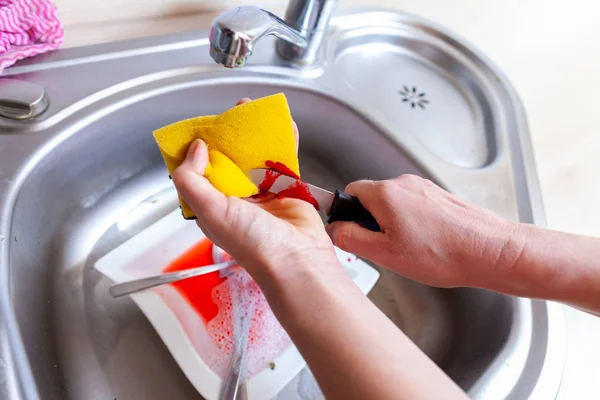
{"x":354,"y":351}
{"x":555,"y":266}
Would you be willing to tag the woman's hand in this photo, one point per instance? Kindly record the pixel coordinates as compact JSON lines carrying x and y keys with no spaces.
{"x":430,"y":235}
{"x":354,"y":350}
{"x":260,"y":234}
{"x":436,"y":238}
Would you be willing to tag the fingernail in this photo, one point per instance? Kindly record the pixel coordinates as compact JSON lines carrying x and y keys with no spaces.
{"x":243,"y":101}
{"x":196,"y":157}
{"x":192,"y":149}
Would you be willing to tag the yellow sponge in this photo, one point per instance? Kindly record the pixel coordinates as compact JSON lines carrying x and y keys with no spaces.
{"x":257,"y":134}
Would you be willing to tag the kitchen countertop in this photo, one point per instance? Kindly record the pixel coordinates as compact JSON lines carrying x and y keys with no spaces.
{"x":550,"y":51}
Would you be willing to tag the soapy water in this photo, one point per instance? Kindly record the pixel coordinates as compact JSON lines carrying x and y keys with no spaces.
{"x":239,"y":298}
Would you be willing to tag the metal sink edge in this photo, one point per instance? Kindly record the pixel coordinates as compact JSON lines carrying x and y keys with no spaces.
{"x":42,"y":138}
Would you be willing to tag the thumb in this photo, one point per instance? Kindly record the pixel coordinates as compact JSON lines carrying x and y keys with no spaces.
{"x":229,"y":221}
{"x":209,"y":205}
{"x":352,"y":237}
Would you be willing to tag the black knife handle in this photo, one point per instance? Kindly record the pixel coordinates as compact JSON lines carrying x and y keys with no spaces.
{"x":348,"y":208}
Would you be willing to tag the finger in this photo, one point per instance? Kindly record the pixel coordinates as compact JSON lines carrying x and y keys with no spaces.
{"x":243,"y":100}
{"x":260,"y":198}
{"x":296,"y":134}
{"x":209,"y":205}
{"x":354,"y":238}
{"x":370,"y":193}
{"x":290,"y":209}
{"x":209,"y":235}
{"x":359,"y":188}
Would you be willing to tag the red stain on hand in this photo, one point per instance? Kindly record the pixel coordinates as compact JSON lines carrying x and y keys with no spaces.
{"x":198,"y":290}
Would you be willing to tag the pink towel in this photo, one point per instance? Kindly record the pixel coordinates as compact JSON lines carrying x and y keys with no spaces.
{"x":27,"y":28}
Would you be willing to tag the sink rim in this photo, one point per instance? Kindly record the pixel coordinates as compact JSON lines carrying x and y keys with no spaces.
{"x":46,"y":147}
{"x":44,"y":143}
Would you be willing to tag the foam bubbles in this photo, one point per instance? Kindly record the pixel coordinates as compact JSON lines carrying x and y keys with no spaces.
{"x":240,"y":297}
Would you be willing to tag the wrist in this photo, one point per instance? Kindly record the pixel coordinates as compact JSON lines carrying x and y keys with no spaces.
{"x":502,"y":262}
{"x":558,"y":266}
{"x":293,"y":272}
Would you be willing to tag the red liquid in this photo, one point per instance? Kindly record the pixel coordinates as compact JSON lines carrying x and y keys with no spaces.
{"x":297,"y":191}
{"x":212,"y":298}
{"x":282,"y":168}
{"x":198,"y":290}
{"x":268,"y":181}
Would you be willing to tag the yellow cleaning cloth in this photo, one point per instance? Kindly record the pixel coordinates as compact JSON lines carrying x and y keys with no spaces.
{"x":251,"y":135}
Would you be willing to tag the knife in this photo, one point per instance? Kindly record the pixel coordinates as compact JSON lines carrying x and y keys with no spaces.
{"x":338,"y":206}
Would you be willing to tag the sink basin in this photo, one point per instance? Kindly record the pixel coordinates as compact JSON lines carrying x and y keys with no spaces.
{"x":390,"y":94}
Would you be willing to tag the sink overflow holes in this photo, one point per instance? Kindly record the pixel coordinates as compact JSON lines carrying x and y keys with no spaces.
{"x":413,"y":97}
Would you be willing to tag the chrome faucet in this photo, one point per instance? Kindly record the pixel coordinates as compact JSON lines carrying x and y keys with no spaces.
{"x":235,"y":32}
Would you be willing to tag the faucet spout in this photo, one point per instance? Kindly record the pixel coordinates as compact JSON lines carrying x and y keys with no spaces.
{"x":235,"y":32}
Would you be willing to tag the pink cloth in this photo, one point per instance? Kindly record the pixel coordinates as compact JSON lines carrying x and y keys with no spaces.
{"x":27,"y":28}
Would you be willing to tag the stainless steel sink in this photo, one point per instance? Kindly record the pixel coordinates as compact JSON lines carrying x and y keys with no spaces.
{"x":389,"y":94}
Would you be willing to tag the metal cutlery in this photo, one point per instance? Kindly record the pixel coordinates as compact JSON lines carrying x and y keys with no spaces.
{"x":338,"y":206}
{"x":129,"y":287}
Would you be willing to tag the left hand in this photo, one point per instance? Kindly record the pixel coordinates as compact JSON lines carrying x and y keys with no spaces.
{"x":259,"y":234}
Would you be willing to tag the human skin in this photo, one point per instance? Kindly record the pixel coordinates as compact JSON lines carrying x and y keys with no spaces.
{"x":428,"y":235}
{"x":352,"y":348}
{"x":436,"y":238}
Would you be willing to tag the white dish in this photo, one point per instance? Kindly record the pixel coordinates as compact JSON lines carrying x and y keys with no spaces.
{"x":174,"y":319}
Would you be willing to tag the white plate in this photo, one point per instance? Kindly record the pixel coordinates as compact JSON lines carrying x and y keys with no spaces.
{"x":148,"y":253}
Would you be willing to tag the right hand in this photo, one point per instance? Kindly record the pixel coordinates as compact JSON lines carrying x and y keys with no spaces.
{"x":430,"y":235}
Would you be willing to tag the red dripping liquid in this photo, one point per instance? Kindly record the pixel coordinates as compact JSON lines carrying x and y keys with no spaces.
{"x":268,"y":181}
{"x":281,"y":168}
{"x":198,"y":290}
{"x":300,"y":191}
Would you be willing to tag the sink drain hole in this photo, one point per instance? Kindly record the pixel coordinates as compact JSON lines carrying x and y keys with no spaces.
{"x":413,"y":97}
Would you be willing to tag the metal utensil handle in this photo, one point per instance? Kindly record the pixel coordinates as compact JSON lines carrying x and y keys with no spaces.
{"x":237,"y":366}
{"x":233,"y":381}
{"x":125,"y":288}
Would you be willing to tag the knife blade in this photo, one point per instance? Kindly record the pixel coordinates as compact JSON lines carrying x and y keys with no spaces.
{"x":337,"y":206}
